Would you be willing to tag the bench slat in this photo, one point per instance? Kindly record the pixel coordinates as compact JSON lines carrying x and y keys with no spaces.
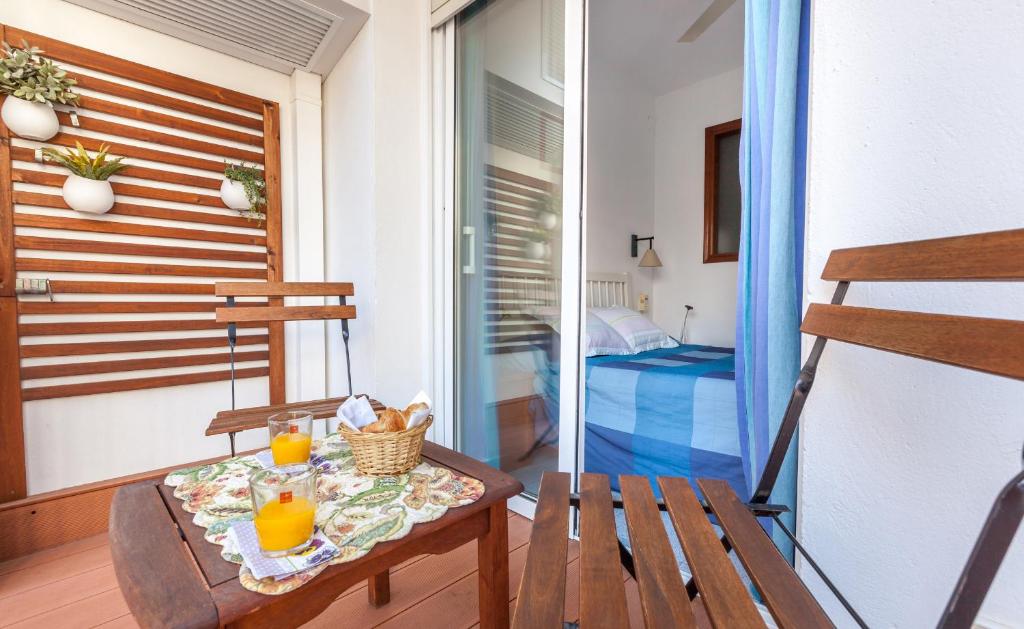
{"x":993,"y":346}
{"x":284,"y":313}
{"x":726,"y":599}
{"x":284,"y":289}
{"x":256,"y":417}
{"x":790,"y":603}
{"x":989,"y":256}
{"x":663,"y":597}
{"x":602,"y":595}
{"x":541,"y":599}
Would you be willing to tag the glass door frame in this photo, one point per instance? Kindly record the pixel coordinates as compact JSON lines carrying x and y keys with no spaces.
{"x":443,"y":222}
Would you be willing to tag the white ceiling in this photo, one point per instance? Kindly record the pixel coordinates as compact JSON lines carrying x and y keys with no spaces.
{"x":638,"y":38}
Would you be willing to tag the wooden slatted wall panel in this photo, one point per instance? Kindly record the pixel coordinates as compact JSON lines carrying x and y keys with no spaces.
{"x":517,"y":283}
{"x":133,"y":299}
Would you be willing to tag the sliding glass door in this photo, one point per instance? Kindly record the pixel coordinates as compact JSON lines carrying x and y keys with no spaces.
{"x":514,"y":237}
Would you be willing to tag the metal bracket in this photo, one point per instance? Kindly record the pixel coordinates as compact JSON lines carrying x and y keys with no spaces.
{"x":344,"y":337}
{"x":33,"y":286}
{"x":74,"y":118}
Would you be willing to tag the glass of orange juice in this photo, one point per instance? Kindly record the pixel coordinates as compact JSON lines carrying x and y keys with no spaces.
{"x":291,"y":435}
{"x":284,"y":507}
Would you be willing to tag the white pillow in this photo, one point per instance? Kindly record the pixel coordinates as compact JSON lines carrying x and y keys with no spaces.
{"x":600,"y":338}
{"x":639,"y":332}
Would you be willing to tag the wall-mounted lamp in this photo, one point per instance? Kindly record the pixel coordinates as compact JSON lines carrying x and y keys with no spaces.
{"x":650,"y":258}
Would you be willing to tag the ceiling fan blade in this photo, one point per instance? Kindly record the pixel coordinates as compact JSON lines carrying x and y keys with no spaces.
{"x":706,"y":19}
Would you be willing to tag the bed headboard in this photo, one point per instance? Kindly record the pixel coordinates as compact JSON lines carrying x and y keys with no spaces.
{"x":608,"y":289}
{"x":602,"y":290}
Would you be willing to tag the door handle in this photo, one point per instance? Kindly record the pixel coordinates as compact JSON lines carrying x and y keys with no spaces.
{"x":470,"y":269}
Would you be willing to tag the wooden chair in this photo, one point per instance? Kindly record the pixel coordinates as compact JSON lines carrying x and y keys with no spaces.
{"x":994,"y":346}
{"x":237,"y":420}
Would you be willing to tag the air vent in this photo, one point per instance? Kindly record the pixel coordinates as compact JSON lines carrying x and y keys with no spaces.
{"x":553,"y":44}
{"x":283,"y":35}
{"x":521,"y":121}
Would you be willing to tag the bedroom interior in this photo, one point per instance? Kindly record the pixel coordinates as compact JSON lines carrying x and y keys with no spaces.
{"x":663,"y":159}
{"x":517,"y":227}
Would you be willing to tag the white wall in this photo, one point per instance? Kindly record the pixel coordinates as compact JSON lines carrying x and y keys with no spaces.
{"x":514,"y":45}
{"x":681,"y":117}
{"x":915,"y":133}
{"x":620,"y":174}
{"x":81,"y":439}
{"x":376,"y":123}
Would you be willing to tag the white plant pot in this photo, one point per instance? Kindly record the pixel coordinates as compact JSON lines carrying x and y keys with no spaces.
{"x":232,"y":193}
{"x":30,"y":120}
{"x":88,"y":195}
{"x":535,"y":250}
{"x":547,"y":220}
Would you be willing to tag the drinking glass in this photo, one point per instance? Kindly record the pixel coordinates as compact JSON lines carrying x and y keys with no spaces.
{"x":283,"y":507}
{"x":291,"y":435}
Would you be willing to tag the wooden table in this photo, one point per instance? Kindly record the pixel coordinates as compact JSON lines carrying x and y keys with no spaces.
{"x":664,"y":599}
{"x":171,"y":576}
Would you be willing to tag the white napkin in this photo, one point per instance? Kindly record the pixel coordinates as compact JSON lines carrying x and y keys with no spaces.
{"x":356,"y":412}
{"x":420,"y":416}
{"x":265,"y":458}
{"x":244,"y":536}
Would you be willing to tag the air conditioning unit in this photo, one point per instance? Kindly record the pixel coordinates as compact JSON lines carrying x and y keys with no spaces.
{"x":282,"y":35}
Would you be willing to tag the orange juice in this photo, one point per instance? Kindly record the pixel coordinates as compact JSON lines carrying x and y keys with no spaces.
{"x":290,"y":447}
{"x":284,"y":522}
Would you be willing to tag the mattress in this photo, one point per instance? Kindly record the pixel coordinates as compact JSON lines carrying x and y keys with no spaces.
{"x":665,"y":412}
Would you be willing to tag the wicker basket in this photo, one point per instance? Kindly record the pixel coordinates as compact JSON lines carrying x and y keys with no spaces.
{"x":386,"y":453}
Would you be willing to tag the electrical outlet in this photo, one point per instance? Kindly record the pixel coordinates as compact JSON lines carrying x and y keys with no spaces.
{"x":642,"y":302}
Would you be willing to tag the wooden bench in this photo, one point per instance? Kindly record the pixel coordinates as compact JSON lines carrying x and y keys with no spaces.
{"x":993,"y":346}
{"x":234,"y":421}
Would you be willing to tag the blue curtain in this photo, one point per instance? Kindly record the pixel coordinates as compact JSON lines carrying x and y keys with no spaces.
{"x":772,"y":169}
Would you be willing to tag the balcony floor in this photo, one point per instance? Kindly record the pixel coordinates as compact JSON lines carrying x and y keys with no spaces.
{"x":74,"y":586}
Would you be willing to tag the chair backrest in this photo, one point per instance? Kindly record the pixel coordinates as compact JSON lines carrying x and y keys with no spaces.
{"x":994,"y":346}
{"x":274,"y":311}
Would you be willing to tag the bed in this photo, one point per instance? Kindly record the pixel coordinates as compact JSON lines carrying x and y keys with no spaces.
{"x":664,"y":412}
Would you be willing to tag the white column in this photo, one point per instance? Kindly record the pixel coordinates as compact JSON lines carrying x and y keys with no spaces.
{"x":306,"y":341}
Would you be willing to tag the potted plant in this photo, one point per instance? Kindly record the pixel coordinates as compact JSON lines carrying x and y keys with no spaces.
{"x":32,"y":84}
{"x":86,"y":188}
{"x":549,"y":209}
{"x":536,"y":245}
{"x":245,"y":190}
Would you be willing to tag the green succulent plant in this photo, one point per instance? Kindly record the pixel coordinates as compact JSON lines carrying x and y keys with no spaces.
{"x":78,"y":161}
{"x":26,"y":74}
{"x":254,"y":185}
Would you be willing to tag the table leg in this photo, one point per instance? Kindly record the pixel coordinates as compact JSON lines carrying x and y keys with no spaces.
{"x":379,"y":589}
{"x":492,"y":557}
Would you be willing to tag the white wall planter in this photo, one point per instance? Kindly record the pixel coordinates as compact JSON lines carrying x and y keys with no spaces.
{"x":547,"y":220}
{"x":536,"y":250}
{"x":88,"y":195}
{"x":232,"y":193}
{"x":30,"y":120}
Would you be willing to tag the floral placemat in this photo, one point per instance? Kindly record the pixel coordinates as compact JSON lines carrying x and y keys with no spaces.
{"x":355,"y":511}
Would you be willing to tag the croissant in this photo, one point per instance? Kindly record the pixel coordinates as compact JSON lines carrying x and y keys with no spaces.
{"x":377,"y":426}
{"x":413,"y":410}
{"x":393,"y":419}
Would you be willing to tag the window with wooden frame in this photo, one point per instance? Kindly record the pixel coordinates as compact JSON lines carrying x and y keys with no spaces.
{"x":722,"y":199}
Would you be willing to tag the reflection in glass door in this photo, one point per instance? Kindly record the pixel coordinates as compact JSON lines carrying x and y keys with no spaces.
{"x":508,"y":237}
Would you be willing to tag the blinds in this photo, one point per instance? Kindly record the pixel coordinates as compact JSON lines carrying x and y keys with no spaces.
{"x":523,"y":122}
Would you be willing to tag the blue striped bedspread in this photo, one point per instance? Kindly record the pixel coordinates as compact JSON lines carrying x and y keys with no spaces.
{"x":665,"y":412}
